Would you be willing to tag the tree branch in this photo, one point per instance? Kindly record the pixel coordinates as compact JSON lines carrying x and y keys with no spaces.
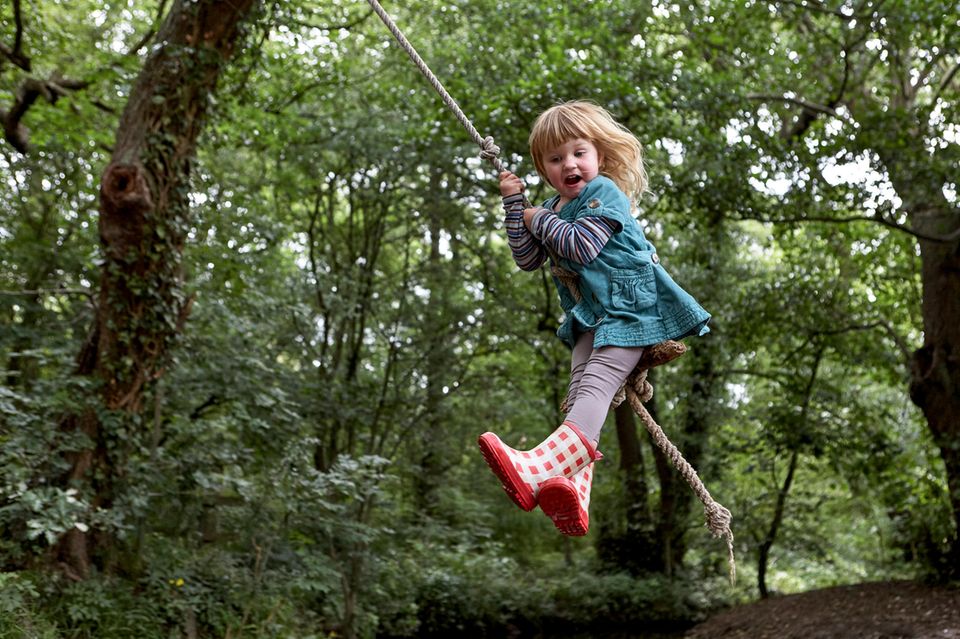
{"x":333,"y":27}
{"x":808,"y":113}
{"x":810,"y":110}
{"x":779,"y":378}
{"x":928,"y":69}
{"x":947,"y":79}
{"x":900,"y":342}
{"x":783,"y":378}
{"x":820,"y":7}
{"x":811,"y":106}
{"x":16,"y":58}
{"x":878,"y":218}
{"x":18,"y":19}
{"x":15,"y":54}
{"x":27,"y":93}
{"x":148,"y":36}
{"x":51,"y":89}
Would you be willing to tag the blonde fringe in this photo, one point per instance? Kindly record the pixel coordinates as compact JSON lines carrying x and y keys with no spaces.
{"x":621,"y":150}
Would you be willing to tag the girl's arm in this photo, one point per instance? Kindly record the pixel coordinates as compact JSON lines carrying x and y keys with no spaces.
{"x":528,"y":253}
{"x":579,"y":241}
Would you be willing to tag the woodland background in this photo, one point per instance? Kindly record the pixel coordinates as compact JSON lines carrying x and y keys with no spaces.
{"x":256,"y":305}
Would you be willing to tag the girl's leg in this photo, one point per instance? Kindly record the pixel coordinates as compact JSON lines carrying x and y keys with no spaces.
{"x":604,"y":373}
{"x":565,"y":452}
{"x":578,"y":362}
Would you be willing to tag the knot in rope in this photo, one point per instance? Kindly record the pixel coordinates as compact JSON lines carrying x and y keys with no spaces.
{"x":718,"y":519}
{"x":718,"y":523}
{"x":638,"y":384}
{"x":488,"y":149}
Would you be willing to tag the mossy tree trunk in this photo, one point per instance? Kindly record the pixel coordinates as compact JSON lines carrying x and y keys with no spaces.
{"x":935,"y":222}
{"x":935,"y":369}
{"x":144,"y":220}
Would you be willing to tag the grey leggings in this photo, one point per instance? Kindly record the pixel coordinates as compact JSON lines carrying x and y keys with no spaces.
{"x":596,"y":375}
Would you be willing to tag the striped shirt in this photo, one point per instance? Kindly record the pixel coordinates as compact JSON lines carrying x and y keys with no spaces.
{"x":579,"y":241}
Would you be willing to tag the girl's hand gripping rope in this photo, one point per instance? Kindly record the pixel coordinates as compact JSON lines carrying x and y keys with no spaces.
{"x":510,"y":184}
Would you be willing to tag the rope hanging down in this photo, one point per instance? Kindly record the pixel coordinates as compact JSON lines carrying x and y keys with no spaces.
{"x":636,"y":389}
{"x":488,"y":150}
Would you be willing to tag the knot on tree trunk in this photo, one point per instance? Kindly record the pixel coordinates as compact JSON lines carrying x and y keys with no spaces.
{"x":125,"y":188}
{"x":125,"y":201}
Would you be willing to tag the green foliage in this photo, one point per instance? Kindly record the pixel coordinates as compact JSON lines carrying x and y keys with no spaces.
{"x":306,"y":466}
{"x":35,"y":513}
{"x":479,"y":591}
{"x":18,"y":595}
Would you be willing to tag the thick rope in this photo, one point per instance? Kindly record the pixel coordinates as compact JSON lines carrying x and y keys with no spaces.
{"x":488,"y":150}
{"x":718,"y":517}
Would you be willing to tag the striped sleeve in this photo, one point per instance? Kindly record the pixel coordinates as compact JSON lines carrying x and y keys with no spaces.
{"x":528,"y":252}
{"x":579,"y":241}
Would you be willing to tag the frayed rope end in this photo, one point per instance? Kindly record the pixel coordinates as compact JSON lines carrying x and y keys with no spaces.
{"x":718,"y":522}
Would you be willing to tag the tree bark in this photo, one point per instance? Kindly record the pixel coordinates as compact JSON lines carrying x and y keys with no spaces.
{"x":144,"y":219}
{"x":634,"y":473}
{"x":935,"y":369}
{"x":637,"y":550}
{"x":763,"y":554}
{"x":435,"y":455}
{"x":676,"y":498}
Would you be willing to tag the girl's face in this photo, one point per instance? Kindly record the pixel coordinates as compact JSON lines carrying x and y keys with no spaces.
{"x":570,"y":166}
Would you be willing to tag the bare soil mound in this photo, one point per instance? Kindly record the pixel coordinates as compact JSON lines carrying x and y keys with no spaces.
{"x":885,"y":610}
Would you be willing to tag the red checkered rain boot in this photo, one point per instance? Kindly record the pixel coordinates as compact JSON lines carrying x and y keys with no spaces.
{"x":567,"y":502}
{"x":564,"y":453}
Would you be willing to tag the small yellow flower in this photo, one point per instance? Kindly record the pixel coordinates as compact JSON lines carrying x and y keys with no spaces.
{"x":178,"y":582}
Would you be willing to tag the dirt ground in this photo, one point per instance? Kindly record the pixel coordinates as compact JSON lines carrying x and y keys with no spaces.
{"x":888,"y":610}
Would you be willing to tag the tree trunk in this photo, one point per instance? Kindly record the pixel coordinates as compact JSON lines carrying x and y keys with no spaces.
{"x":22,"y":369}
{"x":763,"y":554}
{"x":676,"y":498}
{"x":435,"y":454}
{"x":636,"y":551}
{"x":634,"y":473}
{"x":144,"y":219}
{"x":935,"y":369}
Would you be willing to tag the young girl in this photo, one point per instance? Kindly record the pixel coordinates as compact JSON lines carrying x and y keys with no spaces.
{"x":627,"y":300}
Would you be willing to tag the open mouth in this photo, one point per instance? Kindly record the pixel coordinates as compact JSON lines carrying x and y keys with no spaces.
{"x":572,"y":180}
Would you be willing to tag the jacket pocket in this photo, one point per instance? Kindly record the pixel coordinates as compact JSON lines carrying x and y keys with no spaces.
{"x":633,"y":288}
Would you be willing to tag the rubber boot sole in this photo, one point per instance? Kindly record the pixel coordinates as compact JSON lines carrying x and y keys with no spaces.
{"x":558,"y":500}
{"x":502,"y":467}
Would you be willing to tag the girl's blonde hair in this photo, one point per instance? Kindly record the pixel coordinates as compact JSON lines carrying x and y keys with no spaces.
{"x":621,"y":150}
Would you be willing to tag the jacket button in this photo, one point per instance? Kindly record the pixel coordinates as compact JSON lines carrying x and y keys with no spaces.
{"x":593,"y":204}
{"x":655,"y":258}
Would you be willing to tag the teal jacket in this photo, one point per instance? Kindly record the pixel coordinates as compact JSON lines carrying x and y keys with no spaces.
{"x":628,"y":298}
